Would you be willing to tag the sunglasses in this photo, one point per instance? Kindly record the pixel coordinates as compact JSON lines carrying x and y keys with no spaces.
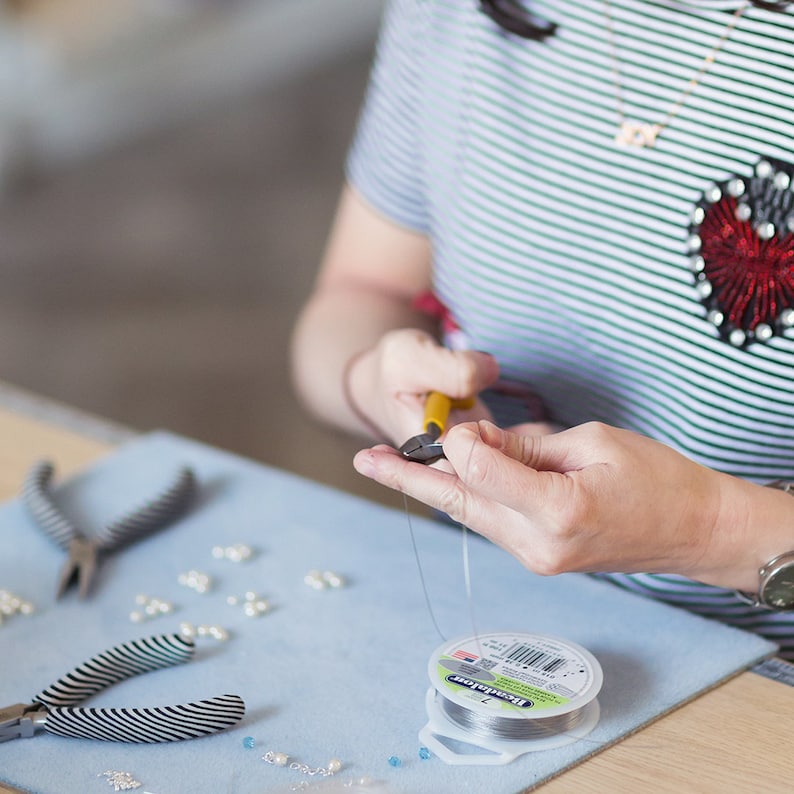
{"x":511,"y":16}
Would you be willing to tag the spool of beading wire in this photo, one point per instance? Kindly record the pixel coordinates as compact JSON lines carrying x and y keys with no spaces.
{"x":497,"y":696}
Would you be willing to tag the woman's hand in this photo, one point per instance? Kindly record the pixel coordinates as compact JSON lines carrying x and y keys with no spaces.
{"x":388,"y":384}
{"x":592,"y":498}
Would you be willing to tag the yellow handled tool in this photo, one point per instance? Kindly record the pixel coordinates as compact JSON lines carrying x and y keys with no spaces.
{"x":426,"y":448}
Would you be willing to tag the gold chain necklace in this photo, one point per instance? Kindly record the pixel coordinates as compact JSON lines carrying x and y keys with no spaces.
{"x":643,"y":134}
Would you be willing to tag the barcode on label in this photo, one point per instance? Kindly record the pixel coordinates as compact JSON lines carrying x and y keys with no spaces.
{"x":530,"y":656}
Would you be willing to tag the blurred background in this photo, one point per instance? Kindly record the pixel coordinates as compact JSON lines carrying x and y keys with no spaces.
{"x":168,"y":174}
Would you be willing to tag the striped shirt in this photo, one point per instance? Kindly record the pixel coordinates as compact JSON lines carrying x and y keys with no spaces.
{"x":574,"y":259}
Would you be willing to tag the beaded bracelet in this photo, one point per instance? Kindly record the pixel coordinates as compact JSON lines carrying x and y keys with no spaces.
{"x":371,"y":428}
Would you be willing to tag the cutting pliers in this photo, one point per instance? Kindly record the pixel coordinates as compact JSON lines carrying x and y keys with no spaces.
{"x":426,"y":448}
{"x":83,"y":551}
{"x":56,"y":709}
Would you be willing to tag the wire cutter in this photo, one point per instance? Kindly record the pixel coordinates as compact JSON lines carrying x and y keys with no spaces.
{"x":56,"y":709}
{"x":81,"y":564}
{"x":426,"y":448}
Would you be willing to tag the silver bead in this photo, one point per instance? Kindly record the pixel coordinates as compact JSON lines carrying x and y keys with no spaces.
{"x":790,"y":223}
{"x":195,"y":580}
{"x":764,"y":169}
{"x":766,"y":231}
{"x":315,"y":580}
{"x":782,"y":180}
{"x":250,"y":610}
{"x":736,"y":187}
{"x":704,"y":289}
{"x":716,"y":317}
{"x":743,"y":212}
{"x":787,"y":318}
{"x":694,"y":243}
{"x":737,"y":337}
{"x":219,"y":633}
{"x":333,"y":579}
{"x":697,"y":264}
{"x":763,"y":332}
{"x":698,"y":215}
{"x":713,"y":194}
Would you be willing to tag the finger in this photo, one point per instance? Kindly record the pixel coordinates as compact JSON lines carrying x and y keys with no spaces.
{"x":561,"y":452}
{"x":429,"y":366}
{"x":479,"y":411}
{"x":514,"y":471}
{"x":447,"y":493}
{"x":438,"y":488}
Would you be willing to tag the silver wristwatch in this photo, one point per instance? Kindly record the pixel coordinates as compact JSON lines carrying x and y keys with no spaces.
{"x":776,"y":577}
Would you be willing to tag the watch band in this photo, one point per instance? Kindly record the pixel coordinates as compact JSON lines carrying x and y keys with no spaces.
{"x":772,"y":568}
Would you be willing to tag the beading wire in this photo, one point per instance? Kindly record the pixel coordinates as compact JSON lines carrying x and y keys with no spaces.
{"x":516,"y":729}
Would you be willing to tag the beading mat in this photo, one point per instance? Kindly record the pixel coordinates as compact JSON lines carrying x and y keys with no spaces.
{"x":335,"y":673}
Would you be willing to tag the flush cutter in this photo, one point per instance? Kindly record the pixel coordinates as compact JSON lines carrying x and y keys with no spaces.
{"x":425,"y":447}
{"x":56,"y":709}
{"x":83,"y":551}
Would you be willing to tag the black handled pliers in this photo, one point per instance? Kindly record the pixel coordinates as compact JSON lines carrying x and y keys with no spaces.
{"x":83,"y":551}
{"x":56,"y":709}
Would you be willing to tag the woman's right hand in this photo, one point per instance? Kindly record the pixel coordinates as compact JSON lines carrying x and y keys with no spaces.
{"x":387,"y":385}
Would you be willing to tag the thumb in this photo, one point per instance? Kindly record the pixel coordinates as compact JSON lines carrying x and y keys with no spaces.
{"x":542,"y":451}
{"x":512,"y":469}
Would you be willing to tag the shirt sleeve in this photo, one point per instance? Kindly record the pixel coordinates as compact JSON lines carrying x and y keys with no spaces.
{"x":385,"y":161}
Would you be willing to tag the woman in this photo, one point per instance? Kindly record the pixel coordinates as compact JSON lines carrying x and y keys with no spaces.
{"x":598,"y":194}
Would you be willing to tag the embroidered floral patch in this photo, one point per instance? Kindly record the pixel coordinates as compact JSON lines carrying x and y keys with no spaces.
{"x":741,"y":249}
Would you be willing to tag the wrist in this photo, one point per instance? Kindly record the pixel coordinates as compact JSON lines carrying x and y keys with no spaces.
{"x":753,"y":525}
{"x":774,"y":586}
{"x":351,"y":379}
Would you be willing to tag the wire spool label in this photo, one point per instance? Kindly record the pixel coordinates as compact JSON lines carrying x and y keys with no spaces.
{"x":509,"y":672}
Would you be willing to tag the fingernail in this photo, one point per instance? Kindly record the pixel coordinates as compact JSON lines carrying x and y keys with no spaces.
{"x":363,"y":463}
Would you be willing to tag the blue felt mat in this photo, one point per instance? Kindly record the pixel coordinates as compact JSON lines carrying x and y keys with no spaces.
{"x":325,"y":674}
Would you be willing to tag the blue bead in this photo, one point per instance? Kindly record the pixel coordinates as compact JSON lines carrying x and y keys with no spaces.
{"x":424,"y":753}
{"x":394,"y":761}
{"x":249,"y":742}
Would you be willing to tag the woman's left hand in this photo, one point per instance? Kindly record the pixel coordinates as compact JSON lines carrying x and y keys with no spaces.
{"x":592,"y":498}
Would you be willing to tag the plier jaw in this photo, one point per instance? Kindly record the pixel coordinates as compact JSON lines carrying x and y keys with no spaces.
{"x":21,"y":721}
{"x":424,"y":448}
{"x":80,"y":566}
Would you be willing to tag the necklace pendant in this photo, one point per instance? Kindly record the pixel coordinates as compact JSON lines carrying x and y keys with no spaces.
{"x":637,"y":134}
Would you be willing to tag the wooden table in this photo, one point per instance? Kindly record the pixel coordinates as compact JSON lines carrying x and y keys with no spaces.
{"x":735,"y":738}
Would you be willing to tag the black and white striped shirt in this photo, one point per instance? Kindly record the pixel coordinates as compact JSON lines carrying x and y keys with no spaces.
{"x":576,"y":260}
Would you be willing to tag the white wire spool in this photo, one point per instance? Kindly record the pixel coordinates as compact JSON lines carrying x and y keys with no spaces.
{"x":497,"y":696}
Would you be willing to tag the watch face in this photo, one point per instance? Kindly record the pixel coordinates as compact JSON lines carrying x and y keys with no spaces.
{"x":779,"y":588}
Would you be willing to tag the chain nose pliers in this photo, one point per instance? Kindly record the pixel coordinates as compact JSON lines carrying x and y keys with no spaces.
{"x":83,"y":551}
